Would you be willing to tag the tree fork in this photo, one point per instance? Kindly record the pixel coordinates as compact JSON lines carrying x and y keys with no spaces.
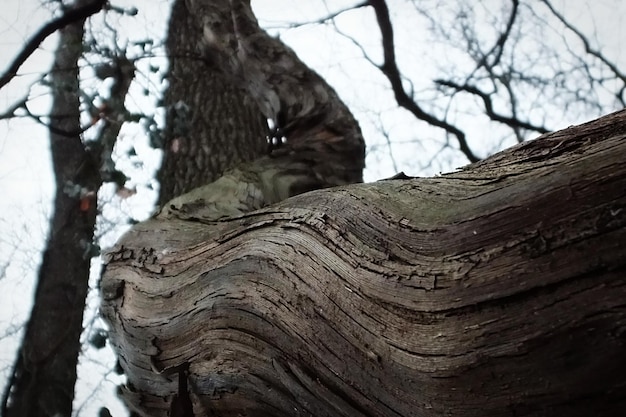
{"x":495,"y":290}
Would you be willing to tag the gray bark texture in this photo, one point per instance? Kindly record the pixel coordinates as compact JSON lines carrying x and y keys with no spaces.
{"x":319,"y":128}
{"x":211,"y":123}
{"x":497,"y":290}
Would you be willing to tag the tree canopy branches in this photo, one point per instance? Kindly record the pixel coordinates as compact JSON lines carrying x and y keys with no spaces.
{"x":390,"y":69}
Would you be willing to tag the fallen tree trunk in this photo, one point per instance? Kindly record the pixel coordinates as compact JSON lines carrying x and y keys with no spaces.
{"x":498,"y":290}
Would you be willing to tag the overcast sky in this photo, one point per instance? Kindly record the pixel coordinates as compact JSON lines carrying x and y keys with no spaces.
{"x":25,"y":172}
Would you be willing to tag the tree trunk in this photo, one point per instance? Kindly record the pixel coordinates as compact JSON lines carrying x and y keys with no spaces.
{"x":497,"y":290}
{"x":44,"y":373}
{"x":211,"y":125}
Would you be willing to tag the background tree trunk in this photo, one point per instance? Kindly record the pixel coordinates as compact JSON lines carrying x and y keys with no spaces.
{"x":44,"y":373}
{"x":496,"y":290}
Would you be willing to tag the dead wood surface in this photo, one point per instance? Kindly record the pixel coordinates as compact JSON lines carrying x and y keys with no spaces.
{"x":497,"y":290}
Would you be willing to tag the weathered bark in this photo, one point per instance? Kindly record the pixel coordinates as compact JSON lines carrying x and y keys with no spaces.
{"x":211,"y":125}
{"x":497,"y":290}
{"x":42,"y":383}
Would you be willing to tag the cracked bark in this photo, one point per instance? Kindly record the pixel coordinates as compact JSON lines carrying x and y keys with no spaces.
{"x":496,"y":290}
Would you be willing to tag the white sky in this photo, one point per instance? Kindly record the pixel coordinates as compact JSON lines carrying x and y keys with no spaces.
{"x":25,"y":173}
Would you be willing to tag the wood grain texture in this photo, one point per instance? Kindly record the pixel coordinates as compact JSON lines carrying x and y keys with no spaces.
{"x":498,"y":290}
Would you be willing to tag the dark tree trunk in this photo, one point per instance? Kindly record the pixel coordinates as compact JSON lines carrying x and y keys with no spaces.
{"x":211,"y":124}
{"x":494,"y":291}
{"x":44,"y":374}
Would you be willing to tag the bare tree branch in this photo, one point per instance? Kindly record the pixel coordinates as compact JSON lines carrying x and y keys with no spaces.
{"x":591,"y":51}
{"x":391,"y":71}
{"x":486,"y":98}
{"x":70,"y":16}
{"x":585,"y":41}
{"x":10,"y":112}
{"x":327,"y":18}
{"x":498,"y":47}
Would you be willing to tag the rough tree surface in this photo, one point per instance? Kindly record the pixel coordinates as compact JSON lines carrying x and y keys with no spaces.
{"x":498,"y":290}
{"x":211,"y":125}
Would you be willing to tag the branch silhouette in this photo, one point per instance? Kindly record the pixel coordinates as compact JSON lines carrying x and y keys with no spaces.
{"x":390,"y":69}
{"x":70,"y":16}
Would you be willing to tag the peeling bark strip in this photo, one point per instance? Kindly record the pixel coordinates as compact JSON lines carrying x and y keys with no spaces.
{"x":498,"y":290}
